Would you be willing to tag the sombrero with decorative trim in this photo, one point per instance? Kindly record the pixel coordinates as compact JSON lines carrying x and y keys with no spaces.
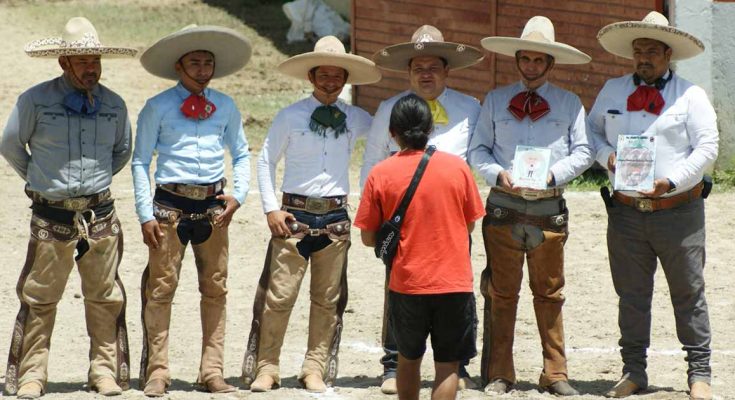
{"x":427,"y":41}
{"x":538,"y":35}
{"x":329,"y":51}
{"x":617,"y":38}
{"x":231,"y":50}
{"x":77,"y":39}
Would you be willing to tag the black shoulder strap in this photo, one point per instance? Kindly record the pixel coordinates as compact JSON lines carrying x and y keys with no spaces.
{"x":397,"y":217}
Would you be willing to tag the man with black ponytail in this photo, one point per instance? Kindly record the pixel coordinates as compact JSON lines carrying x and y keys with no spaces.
{"x":666,"y":222}
{"x":428,"y":60}
{"x":430,"y":285}
{"x":525,"y":222}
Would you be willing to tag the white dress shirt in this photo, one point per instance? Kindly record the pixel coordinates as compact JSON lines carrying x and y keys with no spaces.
{"x":498,"y":132}
{"x":686,"y":131}
{"x":316,"y":166}
{"x":462,"y":111}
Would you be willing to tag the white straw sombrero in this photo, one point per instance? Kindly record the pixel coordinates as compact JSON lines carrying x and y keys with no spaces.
{"x":427,"y":41}
{"x":538,"y":35}
{"x":231,"y":50}
{"x":78,"y":38}
{"x":329,"y":51}
{"x":618,"y":38}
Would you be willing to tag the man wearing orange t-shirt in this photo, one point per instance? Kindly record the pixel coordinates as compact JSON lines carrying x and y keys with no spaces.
{"x":431,"y":275}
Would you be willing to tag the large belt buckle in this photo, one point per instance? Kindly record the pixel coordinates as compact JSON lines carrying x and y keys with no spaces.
{"x":195,"y":192}
{"x":314,"y":232}
{"x":317,"y":205}
{"x":76,"y":203}
{"x":644,"y":205}
{"x":530,"y":194}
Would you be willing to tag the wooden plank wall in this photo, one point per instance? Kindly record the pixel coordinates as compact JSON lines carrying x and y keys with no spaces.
{"x":380,"y":23}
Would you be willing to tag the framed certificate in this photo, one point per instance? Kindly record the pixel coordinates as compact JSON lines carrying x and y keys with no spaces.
{"x":531,"y":167}
{"x":634,"y":162}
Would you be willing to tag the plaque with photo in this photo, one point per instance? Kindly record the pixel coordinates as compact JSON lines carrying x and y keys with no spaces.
{"x":634,"y":162}
{"x":531,"y":167}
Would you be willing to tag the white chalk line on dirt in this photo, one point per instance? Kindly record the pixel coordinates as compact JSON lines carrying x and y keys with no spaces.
{"x":363,"y":347}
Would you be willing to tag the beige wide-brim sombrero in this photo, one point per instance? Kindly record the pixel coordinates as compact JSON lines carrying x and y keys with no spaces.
{"x":427,"y":41}
{"x":617,"y":38}
{"x":329,"y":51}
{"x":538,"y":35}
{"x":79,"y":38}
{"x":231,"y":50}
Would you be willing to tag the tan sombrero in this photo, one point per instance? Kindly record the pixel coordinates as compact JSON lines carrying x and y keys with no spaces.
{"x":79,"y":38}
{"x":330,"y":51}
{"x":618,"y":38}
{"x":538,"y":35}
{"x":427,"y":41}
{"x":231,"y":50}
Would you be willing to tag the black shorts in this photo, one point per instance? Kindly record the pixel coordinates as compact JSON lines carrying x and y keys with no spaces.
{"x":450,"y":318}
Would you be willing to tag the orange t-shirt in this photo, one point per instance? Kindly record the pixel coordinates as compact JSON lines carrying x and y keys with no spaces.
{"x":434,"y":251}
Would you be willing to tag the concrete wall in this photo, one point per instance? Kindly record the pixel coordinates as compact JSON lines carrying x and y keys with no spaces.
{"x":714,"y":70}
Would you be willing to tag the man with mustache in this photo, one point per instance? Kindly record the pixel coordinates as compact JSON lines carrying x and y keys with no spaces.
{"x":528,"y":223}
{"x":78,"y":134}
{"x":428,"y":60}
{"x":189,"y":126}
{"x":665,"y":223}
{"x":316,"y":137}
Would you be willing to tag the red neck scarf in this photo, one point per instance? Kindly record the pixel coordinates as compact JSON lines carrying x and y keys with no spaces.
{"x":646,"y":98}
{"x":528,"y":103}
{"x":197,"y":107}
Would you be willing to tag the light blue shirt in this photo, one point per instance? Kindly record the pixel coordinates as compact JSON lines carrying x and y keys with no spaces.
{"x":189,"y":151}
{"x":70,"y":155}
{"x":498,"y":132}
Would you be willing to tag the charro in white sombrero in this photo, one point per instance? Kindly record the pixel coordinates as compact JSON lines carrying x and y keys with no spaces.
{"x":329,"y":51}
{"x":618,"y":38}
{"x":427,"y":41}
{"x":78,"y":38}
{"x":538,"y":35}
{"x":231,"y":50}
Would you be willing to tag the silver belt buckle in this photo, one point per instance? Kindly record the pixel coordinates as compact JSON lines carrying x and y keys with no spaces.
{"x":76,"y":203}
{"x":644,"y":205}
{"x":194,"y":192}
{"x":558,"y":220}
{"x":314,"y":232}
{"x":316,"y":205}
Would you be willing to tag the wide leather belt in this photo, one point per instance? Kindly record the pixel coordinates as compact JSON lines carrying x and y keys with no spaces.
{"x":506,"y":216}
{"x":194,"y":192}
{"x":530,"y":194}
{"x":645,"y":204}
{"x":72,"y":204}
{"x":337,"y":231}
{"x":315,"y":205}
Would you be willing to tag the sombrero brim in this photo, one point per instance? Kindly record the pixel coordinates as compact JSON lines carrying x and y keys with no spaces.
{"x":509,"y":46}
{"x":618,"y":39}
{"x":397,"y":57}
{"x":231,"y":50}
{"x":49,"y":48}
{"x":361,"y":70}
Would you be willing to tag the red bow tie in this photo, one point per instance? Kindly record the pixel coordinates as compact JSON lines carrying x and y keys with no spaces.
{"x":646,"y":98}
{"x":197,"y":107}
{"x":528,"y":103}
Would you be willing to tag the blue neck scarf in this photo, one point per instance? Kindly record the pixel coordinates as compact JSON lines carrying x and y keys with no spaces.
{"x":79,"y":103}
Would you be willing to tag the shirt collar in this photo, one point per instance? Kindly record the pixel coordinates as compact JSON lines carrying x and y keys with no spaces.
{"x":442,"y":96}
{"x":184,"y":92}
{"x":540,"y":90}
{"x":67,"y":86}
{"x":314,"y":102}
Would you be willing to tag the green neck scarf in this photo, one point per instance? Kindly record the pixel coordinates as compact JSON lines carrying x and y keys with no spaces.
{"x":325,"y":117}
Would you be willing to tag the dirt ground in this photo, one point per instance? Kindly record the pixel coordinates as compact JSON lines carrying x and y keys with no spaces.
{"x":590,"y":310}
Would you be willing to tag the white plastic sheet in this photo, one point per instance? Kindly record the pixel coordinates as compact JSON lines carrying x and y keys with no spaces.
{"x":313,"y":19}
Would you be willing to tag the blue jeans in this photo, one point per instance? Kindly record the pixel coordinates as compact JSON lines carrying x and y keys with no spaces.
{"x":311,"y":244}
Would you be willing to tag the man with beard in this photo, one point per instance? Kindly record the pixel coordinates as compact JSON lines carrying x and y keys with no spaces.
{"x":189,"y":126}
{"x":528,"y":223}
{"x":428,"y":60}
{"x":78,"y":134}
{"x":665,"y":223}
{"x":316,"y":136}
